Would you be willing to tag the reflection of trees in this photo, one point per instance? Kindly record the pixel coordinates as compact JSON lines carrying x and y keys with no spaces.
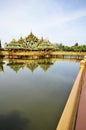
{"x":32,"y":66}
{"x":16,"y":66}
{"x":1,"y":66}
{"x":13,"y":121}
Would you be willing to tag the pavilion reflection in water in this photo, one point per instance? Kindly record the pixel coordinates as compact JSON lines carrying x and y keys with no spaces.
{"x":31,"y":65}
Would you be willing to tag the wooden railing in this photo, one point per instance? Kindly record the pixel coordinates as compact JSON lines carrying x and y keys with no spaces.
{"x":38,"y":53}
{"x":67,"y":120}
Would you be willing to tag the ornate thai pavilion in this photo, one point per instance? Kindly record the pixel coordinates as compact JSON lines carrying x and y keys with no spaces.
{"x":31,"y":42}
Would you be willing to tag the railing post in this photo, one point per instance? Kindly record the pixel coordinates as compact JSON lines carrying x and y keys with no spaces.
{"x":82,"y":64}
{"x":85,"y":59}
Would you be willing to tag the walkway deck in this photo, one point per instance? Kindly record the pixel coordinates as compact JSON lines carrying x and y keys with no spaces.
{"x":41,"y":53}
{"x":81,"y":117}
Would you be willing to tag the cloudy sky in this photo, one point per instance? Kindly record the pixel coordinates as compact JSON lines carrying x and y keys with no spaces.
{"x":60,"y":21}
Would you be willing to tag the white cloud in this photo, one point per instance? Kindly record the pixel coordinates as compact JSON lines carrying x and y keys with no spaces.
{"x":46,"y":18}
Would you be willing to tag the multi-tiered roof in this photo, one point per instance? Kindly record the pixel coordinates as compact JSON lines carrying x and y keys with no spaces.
{"x":31,"y":42}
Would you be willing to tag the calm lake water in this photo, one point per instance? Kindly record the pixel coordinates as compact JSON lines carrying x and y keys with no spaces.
{"x":33,"y":92}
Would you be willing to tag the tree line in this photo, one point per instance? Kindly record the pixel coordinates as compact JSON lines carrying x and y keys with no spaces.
{"x":74,"y":48}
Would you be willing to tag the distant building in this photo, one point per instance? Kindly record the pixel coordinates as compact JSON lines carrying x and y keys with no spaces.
{"x":31,"y":42}
{"x":76,"y":44}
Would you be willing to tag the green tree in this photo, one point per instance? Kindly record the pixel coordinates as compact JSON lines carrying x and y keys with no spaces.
{"x":0,"y":44}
